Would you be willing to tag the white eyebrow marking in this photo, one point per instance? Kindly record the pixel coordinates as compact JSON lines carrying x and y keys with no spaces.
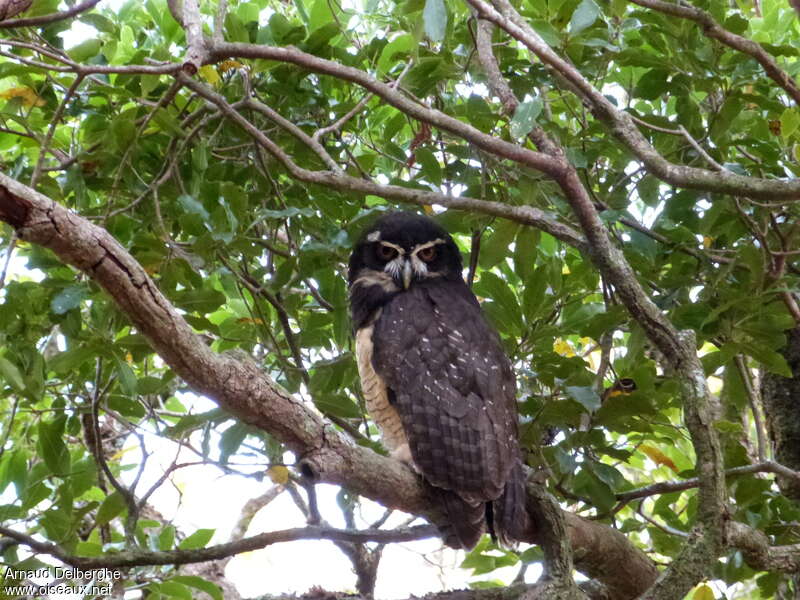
{"x":399,"y":249}
{"x":374,"y":236}
{"x":427,"y":245}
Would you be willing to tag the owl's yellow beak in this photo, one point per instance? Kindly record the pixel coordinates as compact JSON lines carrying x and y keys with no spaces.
{"x":408,"y":273}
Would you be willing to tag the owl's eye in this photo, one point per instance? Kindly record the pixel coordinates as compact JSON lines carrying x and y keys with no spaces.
{"x":427,"y":254}
{"x":386,"y":253}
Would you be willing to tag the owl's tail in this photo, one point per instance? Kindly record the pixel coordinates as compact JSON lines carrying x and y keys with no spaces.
{"x":461,"y":524}
{"x":507,"y":517}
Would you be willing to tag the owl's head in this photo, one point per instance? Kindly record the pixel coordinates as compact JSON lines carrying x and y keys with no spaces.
{"x":401,"y":249}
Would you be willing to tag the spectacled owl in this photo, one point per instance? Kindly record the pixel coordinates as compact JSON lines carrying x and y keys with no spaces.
{"x":435,"y":378}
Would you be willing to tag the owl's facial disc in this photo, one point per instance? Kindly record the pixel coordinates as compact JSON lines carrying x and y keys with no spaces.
{"x":407,"y":266}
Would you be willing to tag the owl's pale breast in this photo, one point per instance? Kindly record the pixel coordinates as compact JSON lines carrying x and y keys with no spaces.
{"x":377,"y":398}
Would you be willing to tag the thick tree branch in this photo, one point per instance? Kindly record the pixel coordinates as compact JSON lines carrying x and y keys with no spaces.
{"x":193,"y":25}
{"x":758,"y":553}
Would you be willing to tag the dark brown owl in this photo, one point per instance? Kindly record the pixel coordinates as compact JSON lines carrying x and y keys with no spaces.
{"x":435,"y":378}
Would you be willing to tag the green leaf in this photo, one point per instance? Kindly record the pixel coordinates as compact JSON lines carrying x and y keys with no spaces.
{"x":584,"y":16}
{"x":773,"y":361}
{"x":435,"y":19}
{"x":337,"y":405}
{"x":18,"y":469}
{"x":321,"y":15}
{"x":57,"y":524}
{"x":201,"y":300}
{"x":64,"y":362}
{"x":99,"y":22}
{"x":525,"y":252}
{"x":192,"y":206}
{"x":587,"y":397}
{"x":89,"y":549}
{"x":85,"y":50}
{"x":430,"y":165}
{"x":790,"y":120}
{"x":166,"y":538}
{"x":10,"y":512}
{"x":230,"y":440}
{"x":728,"y":427}
{"x":703,"y":592}
{"x":11,"y":374}
{"x":5,"y":468}
{"x":113,"y":505}
{"x":52,"y":447}
{"x":201,"y":584}
{"x":652,"y":85}
{"x":534,"y":294}
{"x":509,"y":313}
{"x":83,"y":475}
{"x":198,"y":539}
{"x":608,"y":475}
{"x":525,"y":117}
{"x":495,"y":247}
{"x":127,"y":379}
{"x":402,"y":44}
{"x":173,"y":589}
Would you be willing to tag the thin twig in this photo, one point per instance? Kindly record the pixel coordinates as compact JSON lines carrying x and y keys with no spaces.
{"x":132,"y":558}
{"x":755,"y":407}
{"x":49,"y":18}
{"x":37,"y":170}
{"x":654,"y":523}
{"x":523,"y":214}
{"x":710,"y":28}
{"x":12,"y":243}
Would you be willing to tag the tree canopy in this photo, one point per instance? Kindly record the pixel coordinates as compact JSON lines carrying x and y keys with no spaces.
{"x":183,"y":182}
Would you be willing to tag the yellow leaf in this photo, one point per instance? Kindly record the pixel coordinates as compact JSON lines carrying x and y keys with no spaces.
{"x":227,"y":65}
{"x":209,"y":73}
{"x":703,"y":592}
{"x":278,"y":474}
{"x":250,"y":320}
{"x":563,"y":348}
{"x":120,"y":453}
{"x":26,"y":94}
{"x":658,"y":457}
